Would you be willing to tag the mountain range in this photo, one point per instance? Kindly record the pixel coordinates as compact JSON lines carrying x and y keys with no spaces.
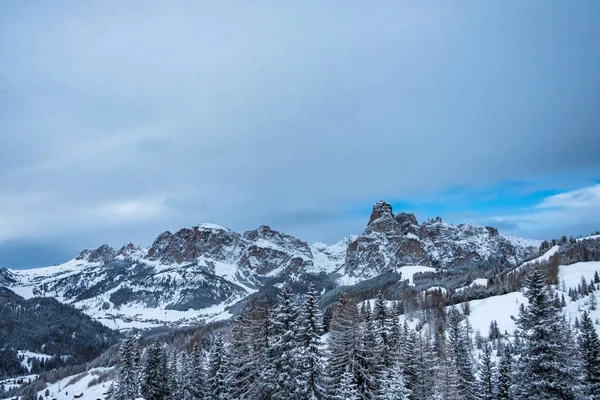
{"x":198,"y":273}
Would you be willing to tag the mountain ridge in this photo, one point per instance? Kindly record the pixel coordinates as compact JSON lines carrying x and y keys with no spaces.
{"x":197,"y":273}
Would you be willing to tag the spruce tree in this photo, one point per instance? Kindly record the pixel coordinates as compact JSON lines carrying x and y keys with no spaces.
{"x":128,"y":371}
{"x":217,"y":372}
{"x":487,"y":374}
{"x":155,"y":382}
{"x":196,"y":373}
{"x":283,"y":372}
{"x":460,"y":346}
{"x":392,"y":385}
{"x":505,"y":373}
{"x":546,"y":365}
{"x":343,"y":344}
{"x":346,"y":389}
{"x":309,"y":339}
{"x":589,"y":348}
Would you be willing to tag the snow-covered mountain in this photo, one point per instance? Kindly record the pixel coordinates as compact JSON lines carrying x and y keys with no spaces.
{"x":197,"y":273}
{"x":391,"y":241}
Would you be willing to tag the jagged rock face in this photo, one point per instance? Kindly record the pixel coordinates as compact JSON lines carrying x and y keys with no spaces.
{"x":272,"y":251}
{"x":389,"y":242}
{"x":6,"y":277}
{"x":187,"y":245}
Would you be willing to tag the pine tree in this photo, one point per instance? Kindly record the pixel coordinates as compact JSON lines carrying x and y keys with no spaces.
{"x":128,"y":371}
{"x":546,"y":363}
{"x":446,"y":376}
{"x":392,"y":385}
{"x":196,"y":374}
{"x":589,"y":347}
{"x":343,"y":344}
{"x":487,"y":374}
{"x":155,"y":384}
{"x":381,"y":319}
{"x":423,"y":362}
{"x":460,"y":347}
{"x":505,"y":373}
{"x":217,"y":372}
{"x":370,"y":361}
{"x":284,"y":373}
{"x":346,"y":389}
{"x":310,"y":358}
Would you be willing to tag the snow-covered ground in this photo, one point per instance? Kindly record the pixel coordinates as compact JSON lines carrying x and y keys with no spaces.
{"x":409,"y":271}
{"x":61,"y":390}
{"x":544,"y":257}
{"x":27,"y":355}
{"x":476,"y":282}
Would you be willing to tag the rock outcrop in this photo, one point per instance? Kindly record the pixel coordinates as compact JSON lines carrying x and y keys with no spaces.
{"x":389,"y":242}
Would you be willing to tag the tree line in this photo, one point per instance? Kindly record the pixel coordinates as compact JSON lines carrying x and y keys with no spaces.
{"x":371,"y":352}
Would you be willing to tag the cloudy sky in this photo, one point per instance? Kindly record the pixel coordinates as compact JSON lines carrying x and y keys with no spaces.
{"x":119,"y":120}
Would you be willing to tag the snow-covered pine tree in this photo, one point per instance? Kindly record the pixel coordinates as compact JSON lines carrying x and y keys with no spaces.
{"x":310,"y":357}
{"x":347,"y":389}
{"x":546,"y":368}
{"x":392,"y":385}
{"x":381,"y":320}
{"x":505,"y":372}
{"x":128,"y":371}
{"x":155,"y":382}
{"x":446,"y":376}
{"x":369,"y":359}
{"x":283,"y":373}
{"x":218,"y":387}
{"x":342,"y":344}
{"x":407,"y":350}
{"x":589,"y":348}
{"x":423,"y":362}
{"x":460,"y":346}
{"x":196,"y":374}
{"x":487,"y":373}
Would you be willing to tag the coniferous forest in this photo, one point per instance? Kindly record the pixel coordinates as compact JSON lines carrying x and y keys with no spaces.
{"x":368,"y":350}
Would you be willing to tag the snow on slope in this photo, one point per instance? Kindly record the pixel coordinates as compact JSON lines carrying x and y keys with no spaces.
{"x":571,"y":274}
{"x":67,"y":391}
{"x":544,"y":257}
{"x":410,"y":270}
{"x":589,"y":237}
{"x":476,"y":282}
{"x":329,"y":259}
{"x":499,"y":308}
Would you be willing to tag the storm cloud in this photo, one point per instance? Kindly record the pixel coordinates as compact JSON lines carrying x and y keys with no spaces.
{"x":119,"y":120}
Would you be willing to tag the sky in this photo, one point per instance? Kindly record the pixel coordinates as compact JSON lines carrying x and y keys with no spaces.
{"x":120,"y":120}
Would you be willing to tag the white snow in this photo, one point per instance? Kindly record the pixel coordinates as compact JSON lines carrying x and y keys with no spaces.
{"x":28,"y":355}
{"x":67,"y":391}
{"x":544,"y":257}
{"x":207,"y":225}
{"x":329,"y":259}
{"x":589,"y":237}
{"x":571,"y":274}
{"x":476,"y":282}
{"x":499,"y":308}
{"x":409,"y":271}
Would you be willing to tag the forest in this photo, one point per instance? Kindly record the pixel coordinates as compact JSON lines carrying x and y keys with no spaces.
{"x":289,"y":351}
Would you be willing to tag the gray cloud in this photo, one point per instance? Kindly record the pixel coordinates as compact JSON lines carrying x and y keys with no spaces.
{"x":166,"y":115}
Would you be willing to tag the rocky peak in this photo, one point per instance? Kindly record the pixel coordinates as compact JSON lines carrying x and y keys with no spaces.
{"x":381,"y":209}
{"x":187,"y":245}
{"x":279,"y":239}
{"x":128,"y":250}
{"x":389,"y":242}
{"x":493,"y":231}
{"x":102,"y":254}
{"x":408,"y":223}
